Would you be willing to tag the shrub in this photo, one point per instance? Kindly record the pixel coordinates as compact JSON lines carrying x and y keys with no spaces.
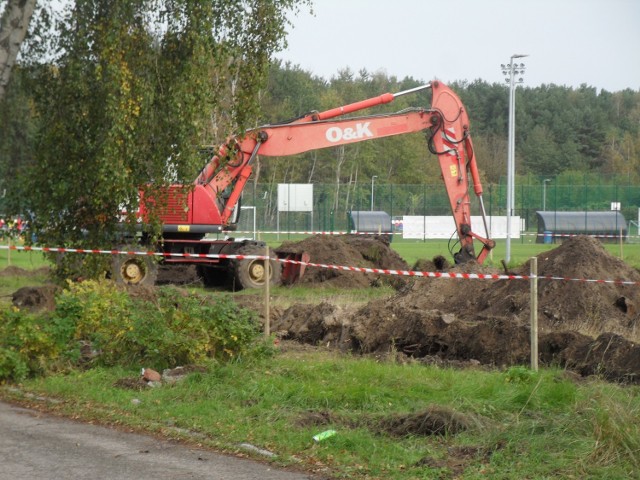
{"x":26,"y":345}
{"x":162,"y":328}
{"x":12,"y":365}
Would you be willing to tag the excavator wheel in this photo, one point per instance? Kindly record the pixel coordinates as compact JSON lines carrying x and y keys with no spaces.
{"x":134,"y":269}
{"x":251,"y":272}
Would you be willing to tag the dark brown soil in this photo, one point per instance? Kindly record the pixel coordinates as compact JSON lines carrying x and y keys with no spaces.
{"x":458,"y":458}
{"x":585,"y":307}
{"x":131,"y":383}
{"x":35,"y":298}
{"x":351,"y":251}
{"x":178,"y":275}
{"x":588,"y":327}
{"x":432,"y":420}
{"x":435,"y":420}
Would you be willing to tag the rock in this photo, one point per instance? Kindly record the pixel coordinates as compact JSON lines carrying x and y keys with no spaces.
{"x":150,"y":375}
{"x":174,"y":375}
{"x":260,"y":451}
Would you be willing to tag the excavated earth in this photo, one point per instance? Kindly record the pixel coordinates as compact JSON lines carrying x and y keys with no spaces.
{"x":586,"y":327}
{"x":350,"y":251}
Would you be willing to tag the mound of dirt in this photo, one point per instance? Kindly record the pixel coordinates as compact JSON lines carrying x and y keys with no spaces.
{"x":438,"y":263}
{"x":432,"y":420}
{"x":324,"y":323}
{"x":347,"y":250}
{"x":590,"y":308}
{"x":344,"y":250}
{"x":589,"y":327}
{"x":35,"y":298}
{"x":13,"y":271}
{"x":610,"y":356}
{"x":435,"y":420}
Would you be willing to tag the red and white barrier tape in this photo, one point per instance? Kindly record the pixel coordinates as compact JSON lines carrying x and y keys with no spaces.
{"x":125,"y":252}
{"x":411,"y":273}
{"x":407,"y":273}
{"x":275,"y":232}
{"x":481,"y":276}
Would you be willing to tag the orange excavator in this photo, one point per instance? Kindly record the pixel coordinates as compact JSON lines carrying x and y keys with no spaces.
{"x":212,"y":203}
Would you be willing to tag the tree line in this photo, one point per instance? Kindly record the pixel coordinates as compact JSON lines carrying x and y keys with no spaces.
{"x":559,"y":130}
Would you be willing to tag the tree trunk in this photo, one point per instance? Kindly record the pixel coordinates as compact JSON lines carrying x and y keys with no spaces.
{"x":314,"y":155}
{"x":340,"y":158}
{"x":13,"y":29}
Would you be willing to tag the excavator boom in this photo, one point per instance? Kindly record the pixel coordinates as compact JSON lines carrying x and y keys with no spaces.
{"x":446,"y":124}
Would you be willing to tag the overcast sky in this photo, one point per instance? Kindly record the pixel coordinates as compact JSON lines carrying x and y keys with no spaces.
{"x":569,"y":42}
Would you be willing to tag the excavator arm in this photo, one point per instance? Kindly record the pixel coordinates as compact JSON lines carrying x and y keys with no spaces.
{"x":446,"y":125}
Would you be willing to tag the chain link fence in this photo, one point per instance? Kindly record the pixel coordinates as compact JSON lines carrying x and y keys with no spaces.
{"x":333,"y":202}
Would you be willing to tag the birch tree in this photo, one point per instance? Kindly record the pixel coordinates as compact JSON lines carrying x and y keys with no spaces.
{"x":14,"y":24}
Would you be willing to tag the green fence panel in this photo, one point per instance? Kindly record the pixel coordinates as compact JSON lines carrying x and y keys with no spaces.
{"x":331,"y":202}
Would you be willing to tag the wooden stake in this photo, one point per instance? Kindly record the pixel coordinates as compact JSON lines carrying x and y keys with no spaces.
{"x":534,"y":314}
{"x":267,"y":320}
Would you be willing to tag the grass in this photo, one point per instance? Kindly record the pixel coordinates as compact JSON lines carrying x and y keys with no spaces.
{"x":540,"y":425}
{"x":285,"y":296}
{"x":19,"y":258}
{"x":26,"y":260}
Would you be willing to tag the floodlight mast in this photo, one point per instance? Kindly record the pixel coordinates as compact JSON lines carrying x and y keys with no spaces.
{"x":511,"y":70}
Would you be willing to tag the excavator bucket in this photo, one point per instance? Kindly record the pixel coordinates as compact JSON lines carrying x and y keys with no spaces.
{"x":293,"y":272}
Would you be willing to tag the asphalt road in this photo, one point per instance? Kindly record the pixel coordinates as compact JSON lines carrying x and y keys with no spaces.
{"x":37,"y":446}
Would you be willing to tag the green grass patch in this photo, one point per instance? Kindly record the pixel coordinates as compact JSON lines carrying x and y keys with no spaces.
{"x":521,"y":424}
{"x":19,"y":258}
{"x":285,"y":296}
{"x":31,"y":261}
